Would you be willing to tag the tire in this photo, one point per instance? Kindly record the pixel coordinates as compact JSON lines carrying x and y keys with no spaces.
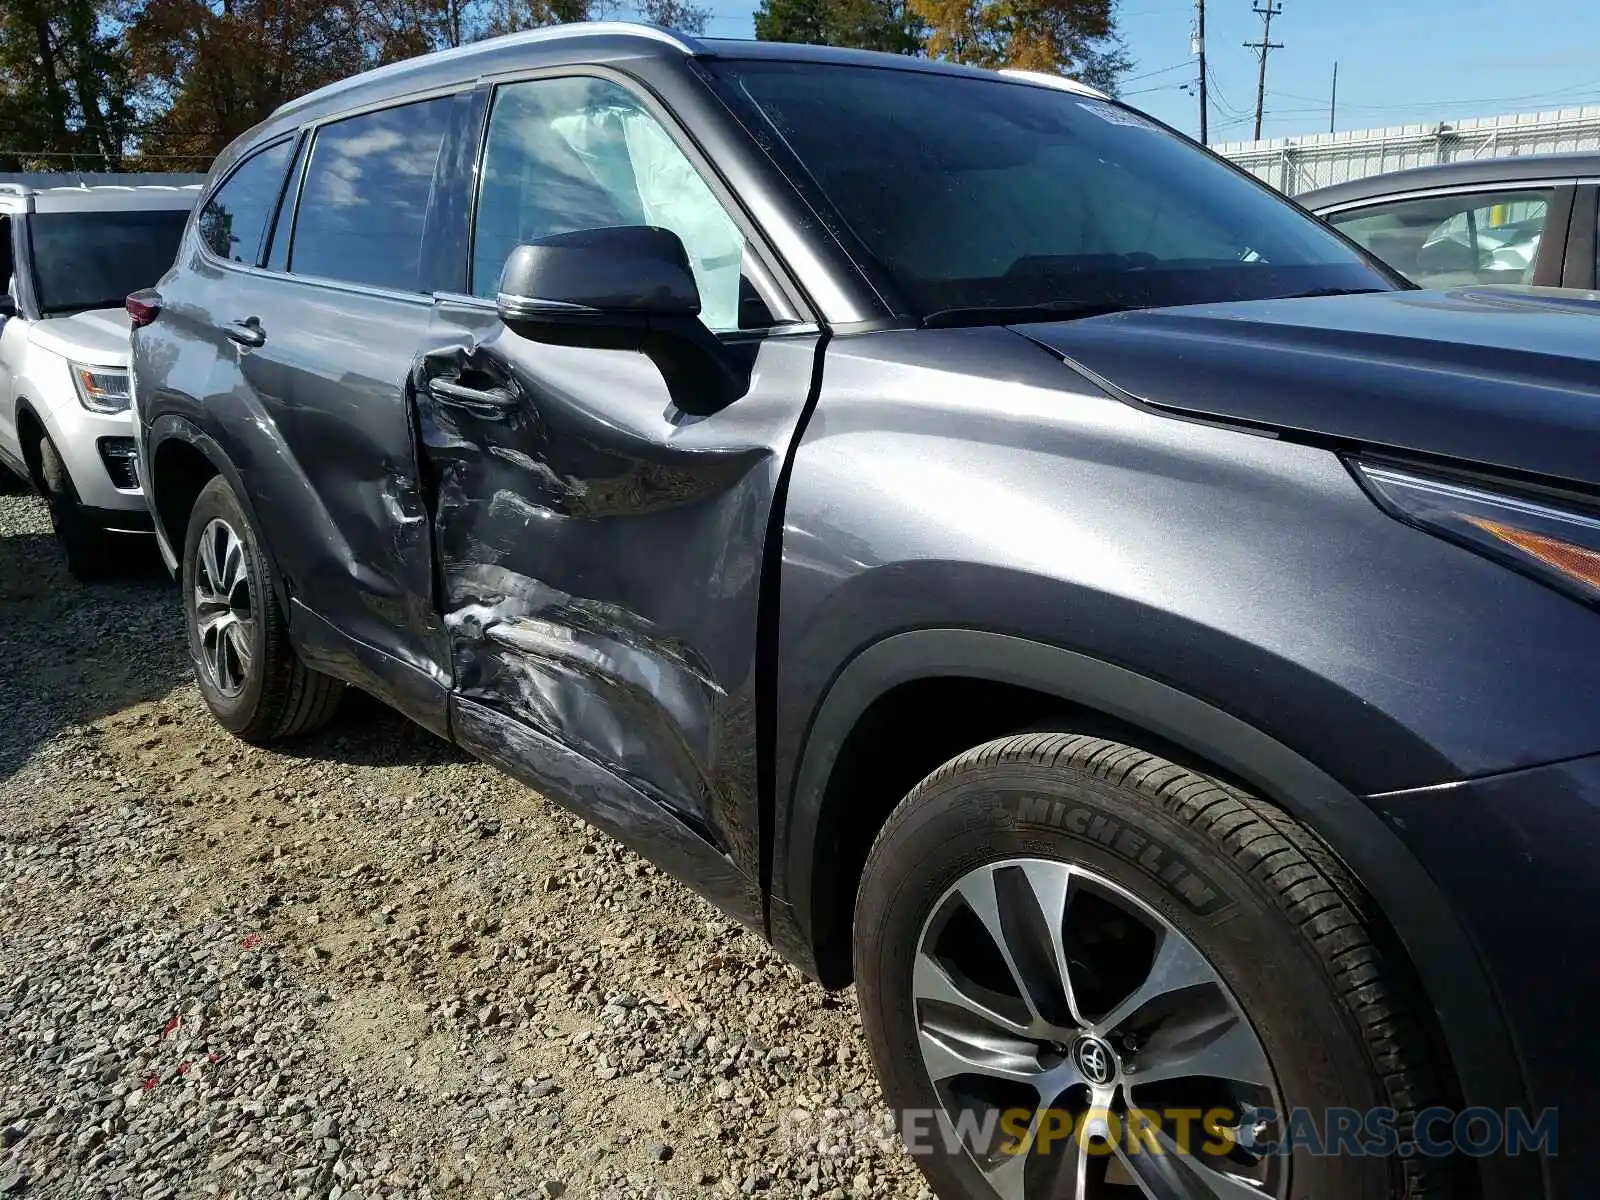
{"x":248,"y":673}
{"x":91,"y":553}
{"x":1135,"y":861}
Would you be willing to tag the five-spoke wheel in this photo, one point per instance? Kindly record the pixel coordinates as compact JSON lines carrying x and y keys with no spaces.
{"x":1089,"y":973}
{"x":224,"y":608}
{"x":1047,"y":992}
{"x":247,"y":670}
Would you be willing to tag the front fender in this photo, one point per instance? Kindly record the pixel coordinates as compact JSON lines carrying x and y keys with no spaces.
{"x":1447,"y":962}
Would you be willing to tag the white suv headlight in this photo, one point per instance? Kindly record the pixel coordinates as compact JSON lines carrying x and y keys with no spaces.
{"x":101,"y":389}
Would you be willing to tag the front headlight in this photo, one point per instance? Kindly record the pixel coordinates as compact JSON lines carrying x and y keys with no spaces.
{"x":1552,"y":540}
{"x":101,"y":389}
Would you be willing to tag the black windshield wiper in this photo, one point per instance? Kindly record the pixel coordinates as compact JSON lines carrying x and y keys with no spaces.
{"x":1021,"y":314}
{"x":1333,"y":291}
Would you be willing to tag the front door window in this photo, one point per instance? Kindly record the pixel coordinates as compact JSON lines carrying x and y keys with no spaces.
{"x":584,"y":153}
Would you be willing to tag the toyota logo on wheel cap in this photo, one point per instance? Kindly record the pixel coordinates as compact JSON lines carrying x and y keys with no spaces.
{"x":1095,"y":1060}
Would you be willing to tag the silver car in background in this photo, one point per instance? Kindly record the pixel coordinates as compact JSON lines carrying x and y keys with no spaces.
{"x":71,"y":249}
{"x":1529,"y":220}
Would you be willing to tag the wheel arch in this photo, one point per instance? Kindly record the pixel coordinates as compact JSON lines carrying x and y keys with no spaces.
{"x":183,"y":459}
{"x":30,"y":426}
{"x":815,"y":880}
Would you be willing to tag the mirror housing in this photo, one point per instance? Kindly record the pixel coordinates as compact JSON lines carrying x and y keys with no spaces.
{"x":622,"y":288}
{"x":594,"y":274}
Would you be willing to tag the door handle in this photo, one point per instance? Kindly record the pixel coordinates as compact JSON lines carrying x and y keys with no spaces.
{"x":486,"y":402}
{"x":247,"y":332}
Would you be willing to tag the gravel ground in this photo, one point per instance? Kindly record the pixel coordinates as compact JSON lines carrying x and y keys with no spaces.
{"x":363,"y":964}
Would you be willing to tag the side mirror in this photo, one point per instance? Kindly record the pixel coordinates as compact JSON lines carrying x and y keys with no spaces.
{"x":622,"y":288}
{"x":8,"y":305}
{"x":598,"y":276}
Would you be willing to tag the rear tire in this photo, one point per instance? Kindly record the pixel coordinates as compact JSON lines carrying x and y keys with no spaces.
{"x":248,"y":672}
{"x":1268,"y":956}
{"x":92,"y":554}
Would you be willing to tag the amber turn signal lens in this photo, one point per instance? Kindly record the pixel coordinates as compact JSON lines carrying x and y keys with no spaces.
{"x":1552,"y":537}
{"x":1575,"y":562}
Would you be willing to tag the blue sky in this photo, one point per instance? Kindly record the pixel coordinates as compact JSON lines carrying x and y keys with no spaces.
{"x":1399,"y":63}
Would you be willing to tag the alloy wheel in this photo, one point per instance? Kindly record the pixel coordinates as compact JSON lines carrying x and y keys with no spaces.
{"x":1051,"y":1000}
{"x":224,"y":608}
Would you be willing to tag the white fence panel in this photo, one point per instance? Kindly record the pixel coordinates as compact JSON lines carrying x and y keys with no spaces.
{"x":1299,"y":164}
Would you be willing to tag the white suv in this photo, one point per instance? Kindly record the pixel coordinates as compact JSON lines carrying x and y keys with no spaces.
{"x":69,"y":254}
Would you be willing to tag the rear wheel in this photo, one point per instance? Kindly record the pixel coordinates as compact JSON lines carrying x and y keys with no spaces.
{"x":91,"y":552}
{"x":1097,"y":974}
{"x":249,"y":674}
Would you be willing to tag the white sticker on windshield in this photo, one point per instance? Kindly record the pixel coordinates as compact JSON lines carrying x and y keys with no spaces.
{"x":1118,"y":116}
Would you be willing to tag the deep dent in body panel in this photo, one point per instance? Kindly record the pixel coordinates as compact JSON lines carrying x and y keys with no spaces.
{"x":593,"y":674}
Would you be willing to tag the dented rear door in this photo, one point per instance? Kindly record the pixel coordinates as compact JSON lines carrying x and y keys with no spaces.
{"x":602,"y":556}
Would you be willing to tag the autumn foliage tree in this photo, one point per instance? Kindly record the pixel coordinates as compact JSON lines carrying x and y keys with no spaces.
{"x":1067,"y":37}
{"x":165,"y":84}
{"x":211,"y":69}
{"x":66,"y":92}
{"x":889,"y":25}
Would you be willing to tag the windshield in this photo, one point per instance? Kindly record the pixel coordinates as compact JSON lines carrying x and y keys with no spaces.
{"x":94,"y":259}
{"x":972,"y":193}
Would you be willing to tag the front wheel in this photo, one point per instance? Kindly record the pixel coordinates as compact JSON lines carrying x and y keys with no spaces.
{"x":248,"y":673}
{"x":1087,"y":972}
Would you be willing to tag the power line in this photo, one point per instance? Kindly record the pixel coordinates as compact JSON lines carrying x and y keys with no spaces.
{"x":1229,"y":109}
{"x":1264,"y":47}
{"x":1162,"y":87}
{"x":1153,"y":74}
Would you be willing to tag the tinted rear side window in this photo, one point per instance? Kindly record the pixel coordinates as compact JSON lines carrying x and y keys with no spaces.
{"x":235,"y":219}
{"x":365,"y":199}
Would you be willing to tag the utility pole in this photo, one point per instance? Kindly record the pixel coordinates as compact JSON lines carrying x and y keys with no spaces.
{"x":1333,"y":96}
{"x":1262,"y":48}
{"x":1199,"y":48}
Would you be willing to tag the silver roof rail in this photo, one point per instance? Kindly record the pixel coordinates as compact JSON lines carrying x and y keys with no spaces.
{"x":34,"y":183}
{"x":1045,"y":79}
{"x":526,"y":37}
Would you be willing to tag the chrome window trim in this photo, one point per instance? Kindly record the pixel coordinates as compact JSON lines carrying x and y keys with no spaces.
{"x":1465,"y":189}
{"x":321,"y":281}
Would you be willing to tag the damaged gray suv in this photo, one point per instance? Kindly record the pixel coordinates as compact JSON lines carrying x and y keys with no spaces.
{"x":999,"y":551}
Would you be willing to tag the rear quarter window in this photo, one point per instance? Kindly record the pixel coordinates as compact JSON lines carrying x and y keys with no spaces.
{"x":234,"y":220}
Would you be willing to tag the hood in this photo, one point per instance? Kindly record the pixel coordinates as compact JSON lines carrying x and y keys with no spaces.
{"x":1499,"y":376}
{"x":98,"y":338}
